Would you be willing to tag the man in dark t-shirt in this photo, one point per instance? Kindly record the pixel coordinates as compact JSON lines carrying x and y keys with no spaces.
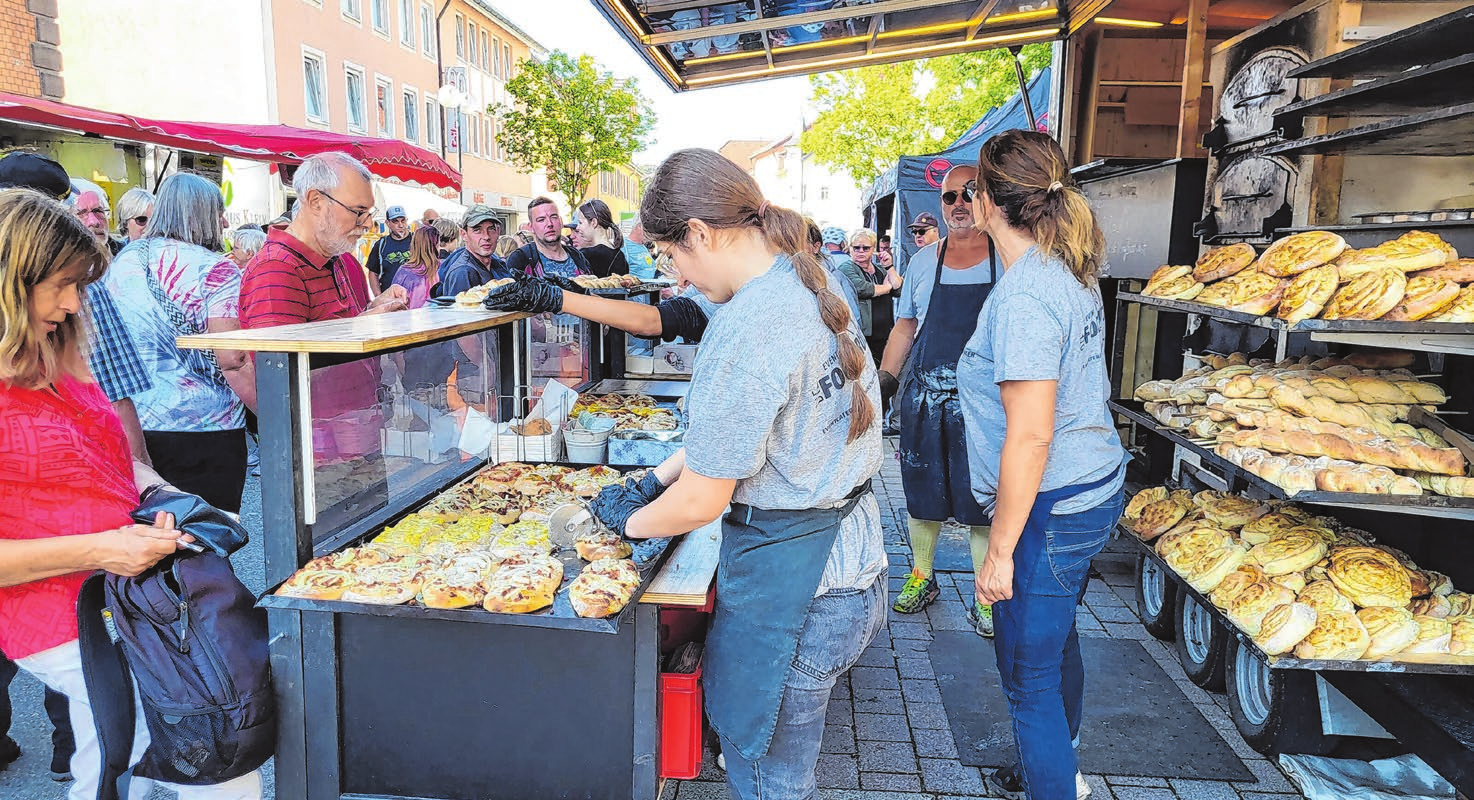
{"x":390,"y":252}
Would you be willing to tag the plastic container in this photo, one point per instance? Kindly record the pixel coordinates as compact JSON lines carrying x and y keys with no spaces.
{"x":680,"y":725}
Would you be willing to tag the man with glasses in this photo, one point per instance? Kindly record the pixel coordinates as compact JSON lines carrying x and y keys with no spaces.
{"x":923,"y":229}
{"x":931,"y":327}
{"x":89,"y":202}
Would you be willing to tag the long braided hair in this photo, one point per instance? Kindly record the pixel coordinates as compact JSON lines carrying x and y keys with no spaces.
{"x":703,"y":184}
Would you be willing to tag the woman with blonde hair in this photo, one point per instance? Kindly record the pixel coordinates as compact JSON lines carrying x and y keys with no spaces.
{"x":68,"y":483}
{"x":874,"y":286}
{"x":421,"y":272}
{"x":506,"y":245}
{"x":802,"y":582}
{"x":1043,"y":453}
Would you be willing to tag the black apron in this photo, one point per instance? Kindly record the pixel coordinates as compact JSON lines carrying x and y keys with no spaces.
{"x":934,"y":470}
{"x":770,"y":564}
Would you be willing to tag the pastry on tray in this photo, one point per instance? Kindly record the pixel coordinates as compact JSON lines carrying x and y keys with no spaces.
{"x":1306,"y":296}
{"x":1284,"y":627}
{"x":523,"y":588}
{"x":1370,"y":576}
{"x":1337,"y":636}
{"x":1297,"y":253}
{"x":1462,"y":309}
{"x":1425,"y":297}
{"x":1411,"y":252}
{"x":1368,"y":296}
{"x":600,"y":544}
{"x":1389,"y":630}
{"x":1221,"y":262}
{"x":1460,"y":271}
{"x":1322,"y":595}
{"x":1173,"y":283}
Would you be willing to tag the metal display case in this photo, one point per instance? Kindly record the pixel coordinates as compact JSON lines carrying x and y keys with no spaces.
{"x":411,"y":702}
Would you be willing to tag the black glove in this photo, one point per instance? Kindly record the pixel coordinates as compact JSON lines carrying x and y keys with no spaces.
{"x":531,"y":295}
{"x":889,"y":385}
{"x":566,"y":284}
{"x":649,"y":486}
{"x":617,"y":503}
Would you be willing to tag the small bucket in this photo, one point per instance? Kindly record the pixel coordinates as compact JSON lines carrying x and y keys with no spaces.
{"x":588,"y":446}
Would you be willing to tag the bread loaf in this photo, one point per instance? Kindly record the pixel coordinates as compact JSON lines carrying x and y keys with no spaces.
{"x":1306,"y":296}
{"x":1173,"y":283}
{"x":1432,"y":606}
{"x":1411,"y":252}
{"x":1221,"y":262}
{"x":1234,"y":583}
{"x":1434,"y":634}
{"x":1369,"y":296}
{"x":1323,"y":595}
{"x":1446,"y":485}
{"x":1337,"y":636}
{"x":1425,"y":297}
{"x":1461,"y":636}
{"x":1299,"y":252}
{"x":1248,"y":607}
{"x":1205,"y":572}
{"x":1284,"y":627}
{"x":1389,"y":630}
{"x":1370,"y":576}
{"x":1461,"y":311}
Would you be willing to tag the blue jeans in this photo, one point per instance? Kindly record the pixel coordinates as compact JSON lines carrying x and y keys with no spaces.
{"x":840,"y":625}
{"x":1038,"y":649}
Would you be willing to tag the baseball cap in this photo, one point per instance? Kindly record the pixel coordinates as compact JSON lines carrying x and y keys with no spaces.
{"x":22,"y":169}
{"x":479,"y":213}
{"x":395,"y":212}
{"x":834,"y":235}
{"x":923,"y":220}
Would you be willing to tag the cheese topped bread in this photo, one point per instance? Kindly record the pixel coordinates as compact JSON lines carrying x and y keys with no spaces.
{"x":1221,"y":262}
{"x":1337,"y":636}
{"x":1295,"y":254}
{"x":1370,"y":576}
{"x":1389,"y":630}
{"x":1306,"y":296}
{"x":1410,"y":252}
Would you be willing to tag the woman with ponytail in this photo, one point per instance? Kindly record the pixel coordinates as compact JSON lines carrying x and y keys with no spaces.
{"x":783,"y":426}
{"x":1044,"y":456}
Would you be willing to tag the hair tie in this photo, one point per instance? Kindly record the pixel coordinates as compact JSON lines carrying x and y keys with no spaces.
{"x":762,"y":209}
{"x":1056,"y":186}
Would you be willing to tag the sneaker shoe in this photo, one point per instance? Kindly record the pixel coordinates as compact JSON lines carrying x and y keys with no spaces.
{"x":722,"y":761}
{"x":981,"y":617}
{"x":61,"y":767}
{"x":1009,"y":782}
{"x":9,"y":752}
{"x":918,"y":593}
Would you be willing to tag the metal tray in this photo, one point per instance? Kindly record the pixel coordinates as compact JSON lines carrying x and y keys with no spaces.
{"x":1308,"y":326}
{"x":1428,"y":505}
{"x":650,"y":555}
{"x":1427,"y":664}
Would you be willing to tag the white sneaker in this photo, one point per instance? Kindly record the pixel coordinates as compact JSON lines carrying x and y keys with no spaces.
{"x":722,"y":763}
{"x":1082,"y":789}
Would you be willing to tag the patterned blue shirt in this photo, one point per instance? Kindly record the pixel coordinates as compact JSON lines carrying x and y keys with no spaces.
{"x":111,"y":355}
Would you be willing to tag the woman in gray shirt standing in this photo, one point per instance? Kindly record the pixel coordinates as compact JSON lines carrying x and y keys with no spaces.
{"x":1045,"y":458}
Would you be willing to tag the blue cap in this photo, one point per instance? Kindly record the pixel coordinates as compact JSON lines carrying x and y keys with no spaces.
{"x":834,"y":235}
{"x":395,"y":212}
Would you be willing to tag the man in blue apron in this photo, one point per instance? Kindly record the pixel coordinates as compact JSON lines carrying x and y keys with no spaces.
{"x":932,"y":326}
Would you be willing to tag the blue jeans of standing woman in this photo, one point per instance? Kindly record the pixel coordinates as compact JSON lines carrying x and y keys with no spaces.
{"x":1038,"y":649}
{"x":840,"y":625}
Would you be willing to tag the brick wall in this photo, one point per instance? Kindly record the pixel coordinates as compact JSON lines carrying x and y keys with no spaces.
{"x":30,"y":59}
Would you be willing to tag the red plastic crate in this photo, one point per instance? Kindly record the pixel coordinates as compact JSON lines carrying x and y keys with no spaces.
{"x":680,"y":725}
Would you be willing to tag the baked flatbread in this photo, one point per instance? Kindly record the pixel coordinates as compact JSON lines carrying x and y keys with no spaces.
{"x":1295,"y":254}
{"x":1221,"y":262}
{"x":1173,"y":283}
{"x":1461,"y":310}
{"x":1410,"y":252}
{"x":1425,"y":297}
{"x":1460,"y":271}
{"x":1368,"y":297}
{"x":1308,"y":294}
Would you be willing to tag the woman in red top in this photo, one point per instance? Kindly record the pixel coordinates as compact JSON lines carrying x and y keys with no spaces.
{"x":67,"y":480}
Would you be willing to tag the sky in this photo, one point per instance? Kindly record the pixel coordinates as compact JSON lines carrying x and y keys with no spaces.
{"x":699,"y":118}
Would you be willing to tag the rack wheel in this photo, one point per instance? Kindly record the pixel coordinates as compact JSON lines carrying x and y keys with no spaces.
{"x":1202,"y":643}
{"x":1276,"y":710}
{"x":1156,"y":598}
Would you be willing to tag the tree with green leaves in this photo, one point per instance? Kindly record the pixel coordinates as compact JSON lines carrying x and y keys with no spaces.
{"x":572,"y":120}
{"x":871,"y":116}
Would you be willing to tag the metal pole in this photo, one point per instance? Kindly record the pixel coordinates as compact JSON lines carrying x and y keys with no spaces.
{"x":1023,"y":86}
{"x":461,"y":149}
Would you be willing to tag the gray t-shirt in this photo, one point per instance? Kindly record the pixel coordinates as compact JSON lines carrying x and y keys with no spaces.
{"x":1040,"y":324}
{"x":921,"y":274}
{"x":707,"y":306}
{"x":773,"y":412}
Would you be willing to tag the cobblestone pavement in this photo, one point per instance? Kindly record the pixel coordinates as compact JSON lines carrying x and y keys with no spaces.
{"x":887,"y":736}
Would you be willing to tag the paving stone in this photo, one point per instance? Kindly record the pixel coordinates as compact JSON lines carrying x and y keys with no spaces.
{"x":1142,"y":793}
{"x":947,"y":775}
{"x":948,"y":617}
{"x":876,"y":657}
{"x":911,"y":648}
{"x":882,"y":728}
{"x":1203,"y":790}
{"x":839,"y":739}
{"x":916,"y":668}
{"x":1268,"y":778}
{"x":874,"y":678}
{"x":921,"y":691}
{"x":841,"y":688}
{"x":1223,"y":723}
{"x":888,"y":757}
{"x":1098,"y":788}
{"x":1121,"y":630}
{"x":703,"y":790}
{"x":1267,"y":796}
{"x":929,"y":716}
{"x":837,"y":772}
{"x":1134,"y":780}
{"x":890,"y":782}
{"x":870,"y":794}
{"x":910,"y":630}
{"x":1089,"y":633}
{"x":878,"y":701}
{"x":840,"y":711}
{"x":1116,"y":614}
{"x":935,"y":743}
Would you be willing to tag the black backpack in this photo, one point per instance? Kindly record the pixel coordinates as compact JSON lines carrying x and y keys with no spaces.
{"x":196,"y":644}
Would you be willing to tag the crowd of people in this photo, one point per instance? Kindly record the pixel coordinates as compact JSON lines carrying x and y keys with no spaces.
{"x":997,"y":385}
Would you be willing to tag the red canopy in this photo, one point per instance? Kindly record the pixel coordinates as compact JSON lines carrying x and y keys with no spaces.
{"x":282,"y":144}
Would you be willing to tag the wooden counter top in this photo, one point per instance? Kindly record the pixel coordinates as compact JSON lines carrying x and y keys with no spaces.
{"x":688,"y":573}
{"x":371,"y":334}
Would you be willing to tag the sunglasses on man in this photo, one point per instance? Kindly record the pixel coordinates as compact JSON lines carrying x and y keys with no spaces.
{"x":949,"y":198}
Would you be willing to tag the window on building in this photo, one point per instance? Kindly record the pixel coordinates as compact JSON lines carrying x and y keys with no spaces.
{"x":496,"y":57}
{"x":823,"y":192}
{"x":353,"y":9}
{"x":384,"y":105}
{"x":432,"y":123}
{"x":354,"y":80}
{"x":473,"y":134}
{"x":471,"y":44}
{"x":427,"y":30}
{"x":460,"y":36}
{"x":490,"y":143}
{"x":411,"y":100}
{"x":314,"y":85}
{"x":485,"y":52}
{"x":379,"y":15}
{"x":406,"y":23}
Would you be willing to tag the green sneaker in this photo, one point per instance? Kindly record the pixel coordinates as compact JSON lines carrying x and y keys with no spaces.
{"x":981,"y":617}
{"x":918,"y":593}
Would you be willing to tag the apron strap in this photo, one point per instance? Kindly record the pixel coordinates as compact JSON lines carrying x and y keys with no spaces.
{"x":937,"y":279}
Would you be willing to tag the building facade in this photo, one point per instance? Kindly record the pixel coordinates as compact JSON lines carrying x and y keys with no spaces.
{"x":793,"y":179}
{"x":30,"y":56}
{"x":621,"y":189}
{"x":358,"y":67}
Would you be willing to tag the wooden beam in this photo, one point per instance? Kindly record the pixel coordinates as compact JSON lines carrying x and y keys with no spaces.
{"x":791,"y":20}
{"x":979,"y":17}
{"x":874,"y":32}
{"x":1194,"y":62}
{"x":768,"y":49}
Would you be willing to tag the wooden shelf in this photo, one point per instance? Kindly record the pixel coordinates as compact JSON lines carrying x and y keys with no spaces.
{"x":1436,"y":40}
{"x":1447,"y":83}
{"x":1146,"y":83}
{"x":1444,"y":132}
{"x":366,"y":334}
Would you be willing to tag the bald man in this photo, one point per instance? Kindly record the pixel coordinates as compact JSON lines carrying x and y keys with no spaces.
{"x":931,"y":327}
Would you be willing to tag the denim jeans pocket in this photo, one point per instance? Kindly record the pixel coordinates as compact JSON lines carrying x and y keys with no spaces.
{"x":1072,"y":540}
{"x":840,"y":625}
